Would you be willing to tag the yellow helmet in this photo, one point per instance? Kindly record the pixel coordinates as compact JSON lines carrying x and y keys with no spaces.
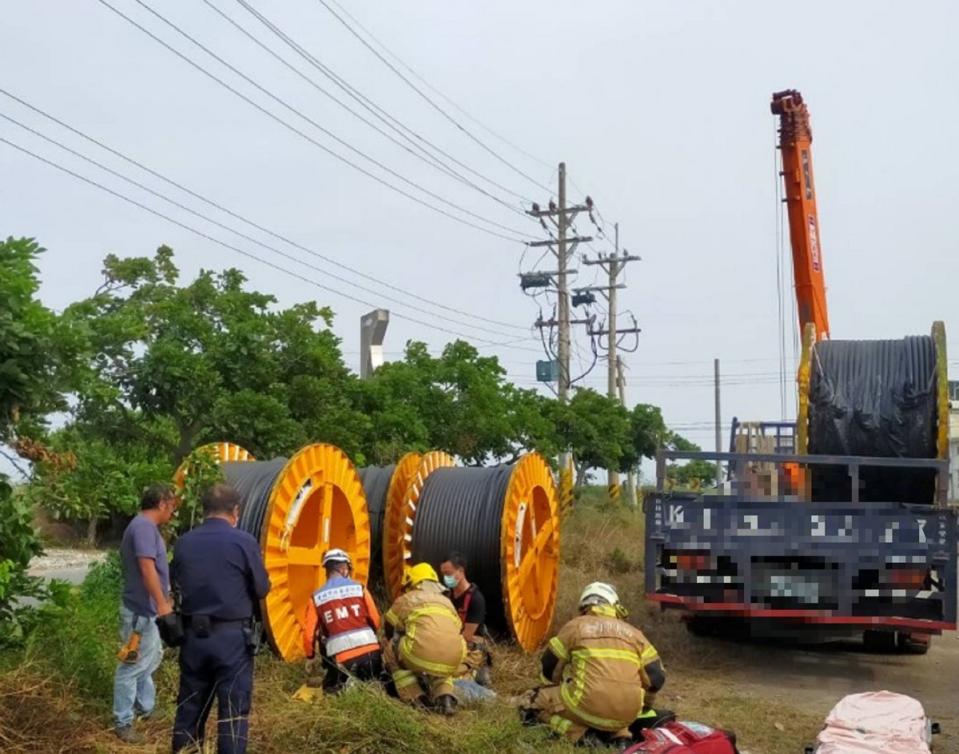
{"x":417,"y":574}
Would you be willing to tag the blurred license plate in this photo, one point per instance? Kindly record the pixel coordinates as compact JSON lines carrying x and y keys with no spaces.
{"x":794,"y":587}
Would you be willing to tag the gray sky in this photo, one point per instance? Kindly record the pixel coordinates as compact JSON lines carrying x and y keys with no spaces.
{"x":660,"y":111}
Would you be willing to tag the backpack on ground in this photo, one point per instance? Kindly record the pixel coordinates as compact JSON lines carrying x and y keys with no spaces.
{"x":684,"y":737}
{"x":876,"y":722}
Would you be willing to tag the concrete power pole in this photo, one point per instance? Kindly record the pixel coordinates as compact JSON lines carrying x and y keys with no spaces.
{"x":563,"y":286}
{"x":563,"y":247}
{"x":631,"y":474}
{"x":719,"y":426}
{"x":613,"y":264}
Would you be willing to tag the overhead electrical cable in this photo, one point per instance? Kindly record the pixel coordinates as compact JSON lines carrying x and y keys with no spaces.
{"x":432,"y":103}
{"x":412,"y":136}
{"x":516,"y":238}
{"x":231,"y":247}
{"x":251,"y":223}
{"x":437,"y":92}
{"x":229,"y":229}
{"x":416,"y":151}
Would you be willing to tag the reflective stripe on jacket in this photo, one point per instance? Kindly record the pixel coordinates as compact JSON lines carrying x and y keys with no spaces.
{"x":344,"y":615}
{"x":600,"y":670}
{"x":431,"y":642}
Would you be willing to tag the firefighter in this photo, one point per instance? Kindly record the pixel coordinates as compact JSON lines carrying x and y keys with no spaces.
{"x":427,"y":646}
{"x":599,"y":673}
{"x":343,"y":616}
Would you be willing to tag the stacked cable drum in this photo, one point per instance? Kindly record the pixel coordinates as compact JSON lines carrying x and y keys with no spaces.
{"x":883,"y":398}
{"x":297,"y":508}
{"x":385,"y":487}
{"x":505,"y":521}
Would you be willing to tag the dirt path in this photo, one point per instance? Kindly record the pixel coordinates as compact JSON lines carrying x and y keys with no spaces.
{"x":65,"y":564}
{"x":813,"y":678}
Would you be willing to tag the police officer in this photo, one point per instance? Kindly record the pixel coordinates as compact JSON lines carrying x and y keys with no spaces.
{"x":219,"y":574}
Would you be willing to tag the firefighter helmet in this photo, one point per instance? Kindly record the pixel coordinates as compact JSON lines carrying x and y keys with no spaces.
{"x":598,"y":593}
{"x":417,"y":574}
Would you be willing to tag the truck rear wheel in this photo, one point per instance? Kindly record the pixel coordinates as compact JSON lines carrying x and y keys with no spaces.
{"x":881,"y":642}
{"x":914,"y":644}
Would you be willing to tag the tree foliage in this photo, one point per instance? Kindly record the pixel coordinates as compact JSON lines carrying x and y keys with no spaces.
{"x":692,"y":474}
{"x":160,"y":366}
{"x":35,"y":361}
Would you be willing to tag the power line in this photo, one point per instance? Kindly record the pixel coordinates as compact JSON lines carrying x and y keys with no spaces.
{"x":231,"y":247}
{"x":426,"y":97}
{"x":436,"y":91}
{"x":313,"y":141}
{"x":253,"y":224}
{"x":385,"y":117}
{"x":227,"y":228}
{"x":419,"y":152}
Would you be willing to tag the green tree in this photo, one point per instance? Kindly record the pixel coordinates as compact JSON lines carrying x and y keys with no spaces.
{"x":459,"y":402}
{"x":35,"y":365}
{"x":174,"y":366}
{"x":691,"y":474}
{"x":595,"y":428}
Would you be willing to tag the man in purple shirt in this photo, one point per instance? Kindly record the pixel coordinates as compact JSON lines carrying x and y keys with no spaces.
{"x":146,"y":590}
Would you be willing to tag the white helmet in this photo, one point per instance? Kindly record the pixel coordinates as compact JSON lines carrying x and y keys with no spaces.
{"x":598,"y":593}
{"x":336,"y":555}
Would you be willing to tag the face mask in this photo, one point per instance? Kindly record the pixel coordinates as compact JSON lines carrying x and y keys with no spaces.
{"x":450,"y":581}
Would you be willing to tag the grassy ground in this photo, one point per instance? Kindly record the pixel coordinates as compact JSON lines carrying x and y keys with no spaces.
{"x":56,"y":695}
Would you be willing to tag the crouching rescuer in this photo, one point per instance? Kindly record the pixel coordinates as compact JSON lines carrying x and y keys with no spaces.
{"x":342,"y":618}
{"x":425,"y":646}
{"x":601,"y":673}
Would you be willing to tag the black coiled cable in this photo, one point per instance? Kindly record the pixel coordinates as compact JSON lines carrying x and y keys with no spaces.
{"x":874,"y":398}
{"x":376,"y":485}
{"x":461,"y":509}
{"x":254,"y":480}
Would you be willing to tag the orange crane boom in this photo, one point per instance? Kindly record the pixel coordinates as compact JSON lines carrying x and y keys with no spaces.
{"x":795,"y":142}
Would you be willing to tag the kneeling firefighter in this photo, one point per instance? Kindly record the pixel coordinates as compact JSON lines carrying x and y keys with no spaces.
{"x":343,"y":618}
{"x":600,"y":672}
{"x":426,"y":647}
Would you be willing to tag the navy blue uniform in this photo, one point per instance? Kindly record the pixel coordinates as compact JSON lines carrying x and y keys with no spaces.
{"x":219,"y":573}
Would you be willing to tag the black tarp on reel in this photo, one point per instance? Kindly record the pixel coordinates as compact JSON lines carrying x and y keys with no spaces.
{"x":874,"y":398}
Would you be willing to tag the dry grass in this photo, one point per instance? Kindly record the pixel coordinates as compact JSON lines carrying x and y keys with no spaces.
{"x":41,"y":713}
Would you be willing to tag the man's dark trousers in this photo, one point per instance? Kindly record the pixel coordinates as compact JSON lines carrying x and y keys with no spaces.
{"x":219,"y":666}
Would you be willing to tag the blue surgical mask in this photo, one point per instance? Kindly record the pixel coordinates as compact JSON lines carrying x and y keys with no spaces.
{"x":450,"y":581}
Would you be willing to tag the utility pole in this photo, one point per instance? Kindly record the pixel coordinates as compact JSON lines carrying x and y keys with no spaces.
{"x":563,"y":246}
{"x":719,"y":429}
{"x":563,"y":286}
{"x":631,"y":474}
{"x":613,"y":264}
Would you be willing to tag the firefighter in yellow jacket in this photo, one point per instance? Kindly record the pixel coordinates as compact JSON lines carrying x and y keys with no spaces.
{"x":426,"y":646}
{"x":600,"y":672}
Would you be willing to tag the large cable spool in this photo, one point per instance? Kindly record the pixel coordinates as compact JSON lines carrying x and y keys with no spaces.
{"x":385,"y":487}
{"x":221,"y":452}
{"x":297,"y":508}
{"x":398,"y":521}
{"x":505,"y":521}
{"x":882,"y":398}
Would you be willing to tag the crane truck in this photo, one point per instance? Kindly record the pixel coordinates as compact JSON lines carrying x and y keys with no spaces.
{"x":837,"y":524}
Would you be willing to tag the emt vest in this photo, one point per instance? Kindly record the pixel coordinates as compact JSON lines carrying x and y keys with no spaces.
{"x":344,"y":619}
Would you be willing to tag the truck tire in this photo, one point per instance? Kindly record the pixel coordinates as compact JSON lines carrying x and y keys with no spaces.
{"x":914,"y":644}
{"x":880,"y":642}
